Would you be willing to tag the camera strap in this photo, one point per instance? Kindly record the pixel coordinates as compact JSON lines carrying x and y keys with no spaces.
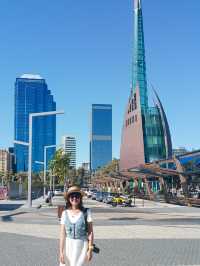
{"x":85,"y":217}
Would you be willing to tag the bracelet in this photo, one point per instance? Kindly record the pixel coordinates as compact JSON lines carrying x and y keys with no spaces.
{"x":90,"y":247}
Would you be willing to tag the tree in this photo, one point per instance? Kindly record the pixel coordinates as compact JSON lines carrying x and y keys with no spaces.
{"x":81,"y":176}
{"x":111,"y":167}
{"x":59,"y":165}
{"x":72,"y":177}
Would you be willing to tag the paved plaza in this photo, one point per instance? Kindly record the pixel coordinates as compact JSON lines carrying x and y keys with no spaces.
{"x":153,"y":234}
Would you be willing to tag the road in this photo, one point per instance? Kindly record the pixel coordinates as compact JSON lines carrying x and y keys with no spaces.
{"x":156,"y":234}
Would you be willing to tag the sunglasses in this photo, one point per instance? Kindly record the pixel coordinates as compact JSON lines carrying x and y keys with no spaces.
{"x":76,"y":195}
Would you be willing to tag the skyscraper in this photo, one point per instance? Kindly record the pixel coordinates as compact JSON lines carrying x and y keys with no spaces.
{"x":69,"y":146}
{"x":32,"y":96}
{"x":145,"y":133}
{"x":6,"y":162}
{"x":100,"y":135}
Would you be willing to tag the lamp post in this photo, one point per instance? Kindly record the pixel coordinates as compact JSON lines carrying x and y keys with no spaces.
{"x":45,"y":165}
{"x":39,"y":162}
{"x":29,"y":144}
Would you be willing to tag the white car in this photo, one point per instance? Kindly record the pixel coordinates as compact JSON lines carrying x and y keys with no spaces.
{"x":58,"y":192}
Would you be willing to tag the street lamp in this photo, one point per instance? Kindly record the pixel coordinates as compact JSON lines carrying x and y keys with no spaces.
{"x":43,"y":168}
{"x":45,"y":165}
{"x":29,"y":144}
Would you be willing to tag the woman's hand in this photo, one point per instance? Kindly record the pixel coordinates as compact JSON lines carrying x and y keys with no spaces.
{"x":62,"y":258}
{"x":89,"y":255}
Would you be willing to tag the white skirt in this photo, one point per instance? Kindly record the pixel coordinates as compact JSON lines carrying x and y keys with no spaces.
{"x":76,"y":251}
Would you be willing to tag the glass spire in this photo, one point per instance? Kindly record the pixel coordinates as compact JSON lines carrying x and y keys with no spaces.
{"x":139,"y":65}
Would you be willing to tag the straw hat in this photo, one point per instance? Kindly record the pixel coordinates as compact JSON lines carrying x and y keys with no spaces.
{"x":72,"y":190}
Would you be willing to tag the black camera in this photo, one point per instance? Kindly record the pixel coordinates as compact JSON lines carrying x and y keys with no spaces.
{"x":96,"y":249}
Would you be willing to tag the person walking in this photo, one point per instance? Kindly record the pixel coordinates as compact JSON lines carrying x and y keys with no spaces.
{"x":76,"y":231}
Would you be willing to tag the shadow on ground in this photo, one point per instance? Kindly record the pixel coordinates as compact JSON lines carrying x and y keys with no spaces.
{"x":8,"y":218}
{"x":10,"y":207}
{"x":123,"y":219}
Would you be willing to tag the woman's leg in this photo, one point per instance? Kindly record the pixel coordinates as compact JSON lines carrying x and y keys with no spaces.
{"x":83,"y":254}
{"x":69,"y":249}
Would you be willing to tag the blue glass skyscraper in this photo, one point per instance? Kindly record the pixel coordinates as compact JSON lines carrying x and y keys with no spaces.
{"x":100,"y":136}
{"x":32,"y":96}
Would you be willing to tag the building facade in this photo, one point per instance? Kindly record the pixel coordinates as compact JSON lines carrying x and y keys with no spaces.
{"x":32,"y":96}
{"x":86,"y":166}
{"x":6,"y":160}
{"x":69,"y":146}
{"x":145,"y":132}
{"x":179,"y":151}
{"x":12,"y":159}
{"x":100,"y":135}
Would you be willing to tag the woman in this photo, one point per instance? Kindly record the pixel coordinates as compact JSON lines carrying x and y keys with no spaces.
{"x":76,"y":231}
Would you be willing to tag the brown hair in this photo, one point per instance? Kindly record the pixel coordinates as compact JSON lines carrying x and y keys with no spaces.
{"x":68,"y":204}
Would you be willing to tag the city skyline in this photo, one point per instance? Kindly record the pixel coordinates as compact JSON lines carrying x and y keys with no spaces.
{"x":102,"y":62}
{"x":33,"y":96}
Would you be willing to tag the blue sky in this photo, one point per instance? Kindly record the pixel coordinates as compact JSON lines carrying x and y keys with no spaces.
{"x":83,"y":49}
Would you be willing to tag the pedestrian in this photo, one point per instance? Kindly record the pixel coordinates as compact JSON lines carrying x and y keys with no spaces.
{"x":76,"y":232}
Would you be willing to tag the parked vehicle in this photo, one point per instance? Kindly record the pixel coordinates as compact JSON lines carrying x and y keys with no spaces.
{"x":127,"y":201}
{"x":58,"y":192}
{"x":101,"y":195}
{"x":90,"y":192}
{"x":108,"y":197}
{"x":94,"y":195}
{"x":118,"y":199}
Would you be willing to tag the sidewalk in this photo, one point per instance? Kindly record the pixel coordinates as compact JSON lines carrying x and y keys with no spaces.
{"x":8,"y":207}
{"x":140,"y":203}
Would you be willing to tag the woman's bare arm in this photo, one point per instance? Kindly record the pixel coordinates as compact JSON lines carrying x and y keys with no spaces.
{"x":90,"y":234}
{"x":62,"y":242}
{"x":90,"y":241}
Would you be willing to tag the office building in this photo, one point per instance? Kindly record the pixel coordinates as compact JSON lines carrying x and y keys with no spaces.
{"x":86,"y":166}
{"x":145,"y":133}
{"x":12,"y":159}
{"x":69,"y":146}
{"x":32,"y":96}
{"x":6,"y":160}
{"x":179,"y":151}
{"x":100,"y":136}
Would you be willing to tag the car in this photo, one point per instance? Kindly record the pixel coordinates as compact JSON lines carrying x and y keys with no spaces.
{"x":58,"y":192}
{"x":103,"y":196}
{"x":118,"y":200}
{"x":100,"y":196}
{"x":108,"y":197}
{"x":90,"y":192}
{"x":94,"y":195}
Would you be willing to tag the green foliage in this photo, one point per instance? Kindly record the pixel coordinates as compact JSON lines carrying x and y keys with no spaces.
{"x":111,"y":167}
{"x":6,"y":177}
{"x":59,"y":165}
